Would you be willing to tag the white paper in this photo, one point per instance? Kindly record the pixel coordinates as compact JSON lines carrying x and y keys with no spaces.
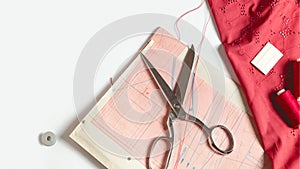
{"x":266,"y":59}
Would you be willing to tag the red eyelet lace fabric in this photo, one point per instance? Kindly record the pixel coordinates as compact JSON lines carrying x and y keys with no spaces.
{"x":245,"y":26}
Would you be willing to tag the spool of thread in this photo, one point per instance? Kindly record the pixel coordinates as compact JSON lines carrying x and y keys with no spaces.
{"x":290,"y":106}
{"x":296,"y":79}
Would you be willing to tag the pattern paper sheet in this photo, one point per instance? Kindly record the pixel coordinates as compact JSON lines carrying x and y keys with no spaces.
{"x":120,"y":129}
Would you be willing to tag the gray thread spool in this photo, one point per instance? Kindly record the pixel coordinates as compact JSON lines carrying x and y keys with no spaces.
{"x":48,"y":138}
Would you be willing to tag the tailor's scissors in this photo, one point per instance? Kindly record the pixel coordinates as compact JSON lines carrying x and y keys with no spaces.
{"x":175,"y":101}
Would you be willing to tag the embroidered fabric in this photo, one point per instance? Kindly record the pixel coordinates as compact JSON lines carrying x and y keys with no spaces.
{"x":245,"y":26}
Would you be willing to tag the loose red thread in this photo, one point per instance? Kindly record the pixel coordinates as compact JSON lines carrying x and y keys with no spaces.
{"x":203,"y":35}
{"x":198,"y":56}
{"x":111,"y":81}
{"x":181,"y":16}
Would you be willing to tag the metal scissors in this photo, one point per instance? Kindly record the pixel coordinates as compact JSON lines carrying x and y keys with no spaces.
{"x":177,"y":112}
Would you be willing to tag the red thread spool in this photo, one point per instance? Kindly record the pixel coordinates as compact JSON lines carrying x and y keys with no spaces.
{"x":297,"y":79}
{"x":290,"y":106}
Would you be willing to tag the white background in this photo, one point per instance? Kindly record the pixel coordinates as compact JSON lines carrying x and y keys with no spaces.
{"x":40,"y":42}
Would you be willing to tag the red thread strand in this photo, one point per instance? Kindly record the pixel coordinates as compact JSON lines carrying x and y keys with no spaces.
{"x":203,"y":35}
{"x":111,"y":81}
{"x":181,"y":16}
{"x":180,"y":147}
{"x":199,"y":47}
{"x":290,"y":106}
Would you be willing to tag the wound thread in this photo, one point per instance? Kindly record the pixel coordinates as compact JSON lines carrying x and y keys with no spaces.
{"x":290,"y":106}
{"x":296,"y":79}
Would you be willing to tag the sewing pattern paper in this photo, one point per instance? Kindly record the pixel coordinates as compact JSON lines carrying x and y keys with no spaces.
{"x":120,"y":129}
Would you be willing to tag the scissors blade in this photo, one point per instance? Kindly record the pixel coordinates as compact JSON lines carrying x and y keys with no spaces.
{"x":164,"y":87}
{"x":185,"y":72}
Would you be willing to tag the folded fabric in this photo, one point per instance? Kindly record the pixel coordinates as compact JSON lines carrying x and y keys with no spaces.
{"x":245,"y":27}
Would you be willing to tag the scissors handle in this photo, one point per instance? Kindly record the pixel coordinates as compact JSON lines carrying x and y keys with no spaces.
{"x":209,"y":132}
{"x":169,"y":139}
{"x":215,"y":146}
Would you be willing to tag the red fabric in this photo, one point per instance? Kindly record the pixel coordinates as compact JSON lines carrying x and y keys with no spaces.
{"x":245,"y":26}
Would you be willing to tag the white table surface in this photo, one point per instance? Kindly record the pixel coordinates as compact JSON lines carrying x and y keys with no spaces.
{"x":41,"y":42}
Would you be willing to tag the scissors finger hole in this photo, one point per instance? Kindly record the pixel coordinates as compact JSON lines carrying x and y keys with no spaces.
{"x":160,"y":146}
{"x":160,"y":151}
{"x":221,"y":139}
